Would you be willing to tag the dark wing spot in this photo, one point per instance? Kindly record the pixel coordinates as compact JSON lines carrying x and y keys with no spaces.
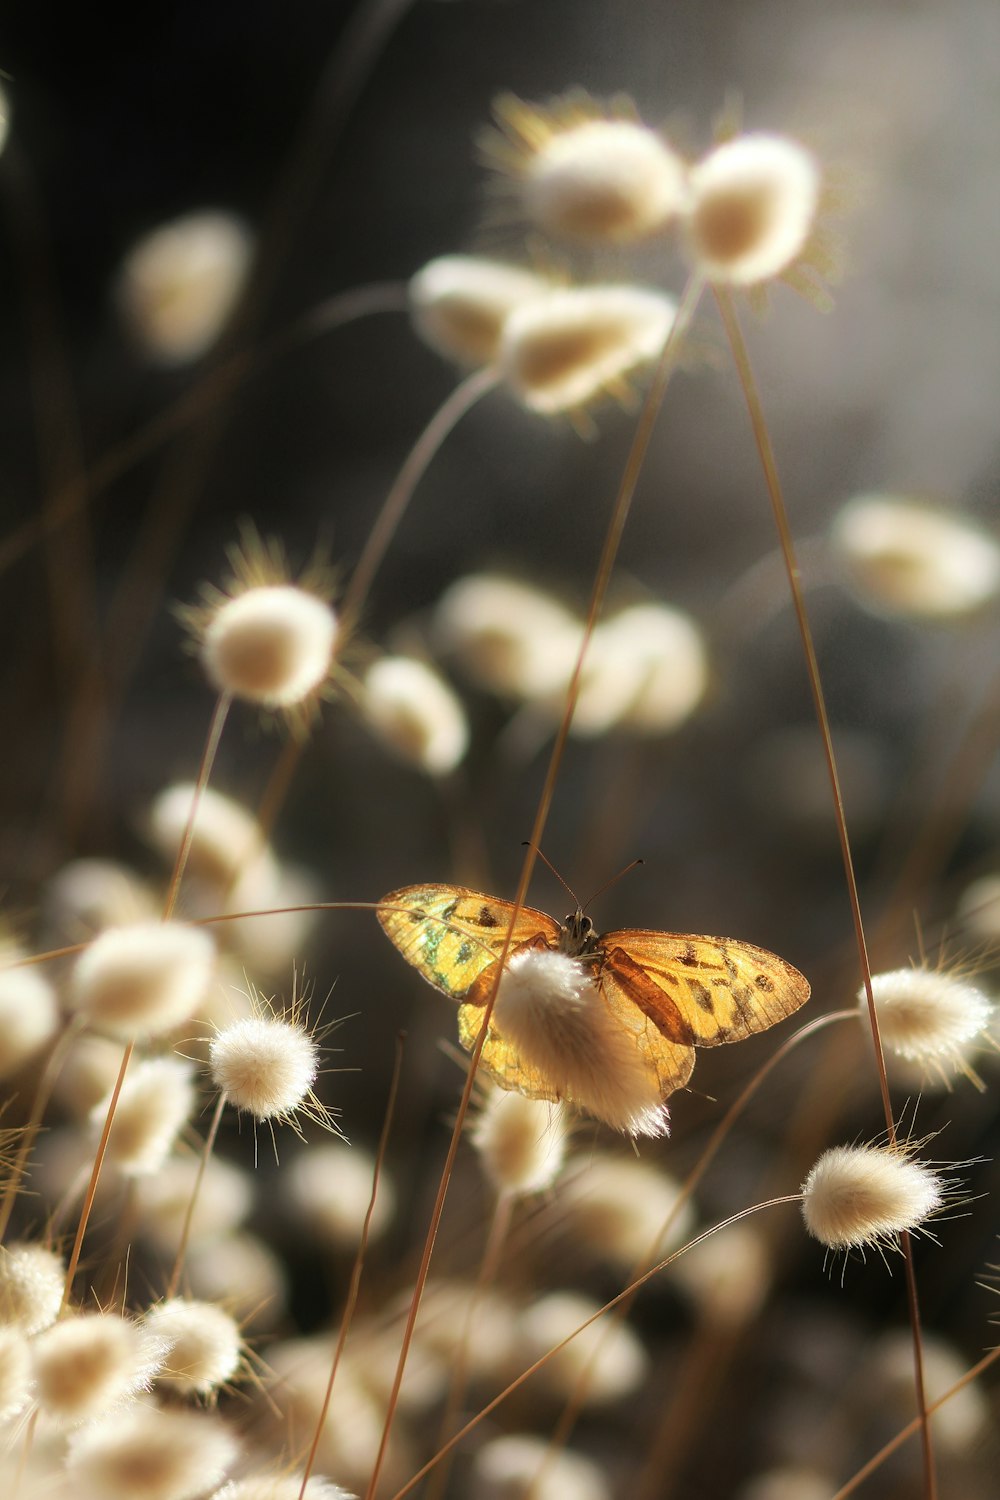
{"x":764,"y":983}
{"x":690,"y":956}
{"x":486,"y":918}
{"x":702,"y":994}
{"x":464,"y":953}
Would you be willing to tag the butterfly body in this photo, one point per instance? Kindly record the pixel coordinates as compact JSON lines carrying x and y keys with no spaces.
{"x":667,"y":992}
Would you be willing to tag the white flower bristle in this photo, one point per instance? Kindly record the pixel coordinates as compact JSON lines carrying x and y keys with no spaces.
{"x":15,"y":1372}
{"x":143,"y":980}
{"x":907,"y":558}
{"x":180,"y":282}
{"x":265,"y":1066}
{"x":202,"y":1344}
{"x":552,"y":1011}
{"x":618,"y":1208}
{"x":928,"y":1016}
{"x":560,"y":351}
{"x":157,"y":1100}
{"x":618,"y":1372}
{"x":521,"y":1142}
{"x":29,"y":1014}
{"x":612,"y":181}
{"x":751,"y":208}
{"x":271,"y":645}
{"x":520,"y":1467}
{"x":858,"y":1196}
{"x":31,"y":1286}
{"x":329,"y":1188}
{"x":282,"y":1487}
{"x":415,"y":714}
{"x":89,"y":1363}
{"x":460,"y":303}
{"x":510,"y":638}
{"x":148,"y":1453}
{"x":224,"y":837}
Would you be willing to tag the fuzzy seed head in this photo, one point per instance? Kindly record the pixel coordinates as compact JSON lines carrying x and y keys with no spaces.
{"x":15,"y":1373}
{"x":646,"y":671}
{"x":521,"y":1142}
{"x":727,"y":1276}
{"x":93,"y":1362}
{"x":242,"y":1271}
{"x":202,"y":1345}
{"x":265,"y":1066}
{"x":224,"y":837}
{"x":284,"y":1487}
{"x":560,"y":351}
{"x":612,"y":181}
{"x":179,"y":284}
{"x":222,"y":1204}
{"x":31,"y":1287}
{"x":858,"y":1196}
{"x":460,"y":303}
{"x":927,"y":1017}
{"x":415,"y":714}
{"x":330,"y":1187}
{"x":151,"y":1454}
{"x":619,"y":1209}
{"x":141,"y":981}
{"x":908,"y":559}
{"x":157,"y":1100}
{"x":510,"y":638}
{"x":29,"y":1015}
{"x":88,"y":895}
{"x":525,"y":1468}
{"x":751,"y":208}
{"x":271,"y":645}
{"x":618,"y":1371}
{"x":550,"y":1010}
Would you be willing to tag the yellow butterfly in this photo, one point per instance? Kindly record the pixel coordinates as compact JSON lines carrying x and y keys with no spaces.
{"x":668,"y":992}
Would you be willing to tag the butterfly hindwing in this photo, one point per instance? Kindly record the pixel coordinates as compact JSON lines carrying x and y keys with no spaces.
{"x":698,"y":990}
{"x":450,"y":934}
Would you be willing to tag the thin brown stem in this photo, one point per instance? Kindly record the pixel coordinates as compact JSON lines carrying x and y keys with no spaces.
{"x":461,"y":400}
{"x":43,"y":1093}
{"x":609,"y":552}
{"x":192,"y":1203}
{"x":204,"y":772}
{"x":95,"y":1175}
{"x":550,"y":1354}
{"x":359,"y":1261}
{"x":492,"y":1251}
{"x":912,"y":1427}
{"x":765,"y":452}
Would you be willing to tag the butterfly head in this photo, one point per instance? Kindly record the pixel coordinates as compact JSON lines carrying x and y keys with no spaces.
{"x":577,"y":936}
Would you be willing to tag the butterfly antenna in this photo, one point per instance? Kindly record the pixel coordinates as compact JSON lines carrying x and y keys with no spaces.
{"x":609,"y":883}
{"x":527,"y":844}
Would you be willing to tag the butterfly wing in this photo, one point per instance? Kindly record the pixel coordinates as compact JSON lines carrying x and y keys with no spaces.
{"x":451,"y":934}
{"x":699,"y":991}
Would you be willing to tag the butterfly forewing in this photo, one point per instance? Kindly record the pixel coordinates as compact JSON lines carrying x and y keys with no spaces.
{"x":451,"y":934}
{"x":700,"y":991}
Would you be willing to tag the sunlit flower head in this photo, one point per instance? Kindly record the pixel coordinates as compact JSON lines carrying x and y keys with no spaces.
{"x":415,"y":714}
{"x":180,"y":282}
{"x":508,"y":636}
{"x":929,"y":1017}
{"x":906,"y":558}
{"x":856,"y":1197}
{"x":561,"y":351}
{"x":580,"y":172}
{"x":142,"y":980}
{"x":751,"y":208}
{"x":460,"y":303}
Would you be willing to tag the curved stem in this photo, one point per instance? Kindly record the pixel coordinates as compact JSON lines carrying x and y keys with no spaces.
{"x":213,"y":1131}
{"x":619,"y":515}
{"x":461,"y":400}
{"x":765,"y":452}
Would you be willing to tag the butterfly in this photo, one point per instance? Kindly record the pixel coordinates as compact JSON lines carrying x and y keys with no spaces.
{"x":667,"y":992}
